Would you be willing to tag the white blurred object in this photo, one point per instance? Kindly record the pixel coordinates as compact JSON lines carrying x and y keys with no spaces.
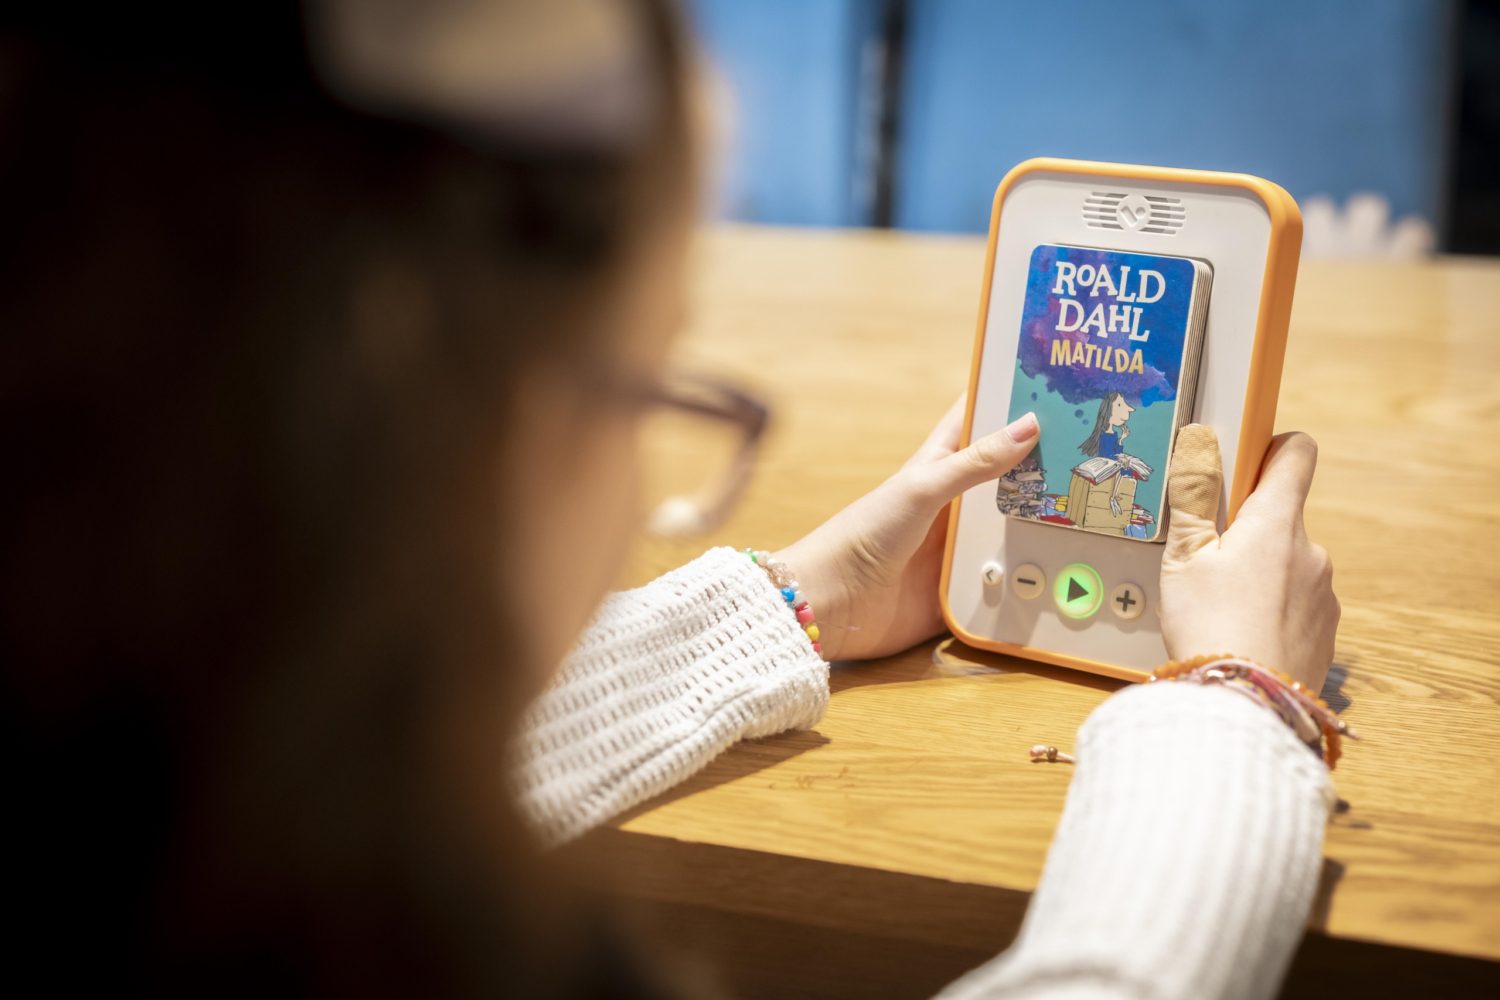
{"x":558,"y":71}
{"x":716,"y":120}
{"x":1363,"y":230}
{"x":677,"y":517}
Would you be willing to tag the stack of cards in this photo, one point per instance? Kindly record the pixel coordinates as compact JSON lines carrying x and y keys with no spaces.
{"x":1108,"y":359}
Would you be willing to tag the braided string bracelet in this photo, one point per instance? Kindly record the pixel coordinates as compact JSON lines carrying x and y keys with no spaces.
{"x":1308,"y":716}
{"x":791,"y":592}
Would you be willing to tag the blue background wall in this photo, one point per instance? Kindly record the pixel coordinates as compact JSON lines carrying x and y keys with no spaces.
{"x":1328,"y":97}
{"x":792,"y":67}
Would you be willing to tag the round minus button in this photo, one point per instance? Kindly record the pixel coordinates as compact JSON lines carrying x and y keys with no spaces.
{"x":1127,"y":601}
{"x":1078,"y":590}
{"x":1028,"y":581}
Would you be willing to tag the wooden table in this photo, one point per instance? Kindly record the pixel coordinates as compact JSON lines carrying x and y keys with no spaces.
{"x":896,"y":845}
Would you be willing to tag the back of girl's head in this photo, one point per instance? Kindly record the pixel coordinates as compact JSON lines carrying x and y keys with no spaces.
{"x":260,"y":327}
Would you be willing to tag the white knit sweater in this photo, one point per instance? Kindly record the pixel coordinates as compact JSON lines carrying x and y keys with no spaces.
{"x":1184,"y":863}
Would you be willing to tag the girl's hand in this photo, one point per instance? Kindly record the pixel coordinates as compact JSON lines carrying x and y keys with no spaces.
{"x":871,"y":571}
{"x":1124,"y":432}
{"x":1261,"y":590}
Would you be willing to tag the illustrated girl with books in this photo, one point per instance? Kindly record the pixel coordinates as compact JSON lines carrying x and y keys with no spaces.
{"x":1108,"y":441}
{"x":320,"y":340}
{"x":1110,"y":428}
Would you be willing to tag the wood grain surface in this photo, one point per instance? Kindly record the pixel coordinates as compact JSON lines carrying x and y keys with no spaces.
{"x":919,"y":770}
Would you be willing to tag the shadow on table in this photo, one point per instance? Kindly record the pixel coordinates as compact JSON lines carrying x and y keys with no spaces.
{"x":738,"y":762}
{"x":1333,"y":688}
{"x":1329,"y":877}
{"x":948,"y":657}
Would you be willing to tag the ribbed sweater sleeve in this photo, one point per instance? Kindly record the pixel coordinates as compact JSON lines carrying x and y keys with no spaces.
{"x":663,"y":680}
{"x":1185,"y":861}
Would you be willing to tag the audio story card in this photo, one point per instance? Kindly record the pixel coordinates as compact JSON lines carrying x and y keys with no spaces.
{"x":1108,"y":359}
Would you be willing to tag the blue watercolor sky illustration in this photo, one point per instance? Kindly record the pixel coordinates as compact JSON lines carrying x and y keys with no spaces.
{"x":1166,"y":319}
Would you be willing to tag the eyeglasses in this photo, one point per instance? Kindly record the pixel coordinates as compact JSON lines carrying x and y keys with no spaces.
{"x":697,"y":446}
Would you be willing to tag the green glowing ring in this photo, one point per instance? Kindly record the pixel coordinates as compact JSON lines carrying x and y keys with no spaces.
{"x":1078,"y":591}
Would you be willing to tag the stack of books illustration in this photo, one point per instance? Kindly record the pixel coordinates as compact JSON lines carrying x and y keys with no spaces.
{"x":1101,"y":495}
{"x":1020,"y":492}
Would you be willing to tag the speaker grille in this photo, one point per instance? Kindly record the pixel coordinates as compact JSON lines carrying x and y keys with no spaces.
{"x":1148,"y":213}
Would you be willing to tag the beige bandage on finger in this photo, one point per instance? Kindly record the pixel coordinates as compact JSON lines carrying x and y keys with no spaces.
{"x":1197,"y":475}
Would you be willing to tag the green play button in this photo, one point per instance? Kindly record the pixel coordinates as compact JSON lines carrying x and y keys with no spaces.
{"x":1078,"y":590}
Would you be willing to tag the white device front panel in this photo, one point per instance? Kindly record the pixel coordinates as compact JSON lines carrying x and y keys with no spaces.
{"x":1228,"y":227}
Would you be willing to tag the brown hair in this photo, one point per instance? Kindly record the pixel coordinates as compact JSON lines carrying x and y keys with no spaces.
{"x":1090,"y":445}
{"x":258,"y":349}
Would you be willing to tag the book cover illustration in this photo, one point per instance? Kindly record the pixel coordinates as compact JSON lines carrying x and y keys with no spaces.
{"x":1108,"y":360}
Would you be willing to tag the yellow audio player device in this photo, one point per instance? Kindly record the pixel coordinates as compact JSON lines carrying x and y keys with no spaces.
{"x":1120,"y":302}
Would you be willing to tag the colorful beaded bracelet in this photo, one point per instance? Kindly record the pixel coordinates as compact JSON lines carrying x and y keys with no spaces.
{"x":1308,"y":716}
{"x":781,"y":576}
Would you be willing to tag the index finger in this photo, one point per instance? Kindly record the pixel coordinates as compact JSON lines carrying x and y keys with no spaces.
{"x":1285,"y":480}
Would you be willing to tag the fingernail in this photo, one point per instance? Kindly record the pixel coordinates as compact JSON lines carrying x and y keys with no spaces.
{"x":1023,"y":428}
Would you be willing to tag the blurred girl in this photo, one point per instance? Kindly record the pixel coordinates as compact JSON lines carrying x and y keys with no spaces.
{"x":323,"y":326}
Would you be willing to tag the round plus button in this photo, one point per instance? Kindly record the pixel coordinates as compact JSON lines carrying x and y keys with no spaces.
{"x":1127,"y":601}
{"x":1078,"y":590}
